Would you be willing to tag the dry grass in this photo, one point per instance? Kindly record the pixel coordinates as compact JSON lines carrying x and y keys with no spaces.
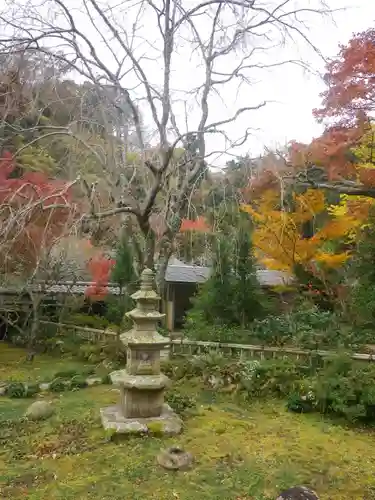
{"x":240,"y":452}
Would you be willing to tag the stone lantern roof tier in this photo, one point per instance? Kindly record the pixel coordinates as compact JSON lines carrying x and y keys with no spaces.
{"x":149,"y":339}
{"x":139,"y":314}
{"x":145,"y":295}
{"x":145,"y":382}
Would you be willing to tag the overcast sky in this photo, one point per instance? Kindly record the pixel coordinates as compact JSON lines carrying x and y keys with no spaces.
{"x":297,"y":94}
{"x":292,"y":92}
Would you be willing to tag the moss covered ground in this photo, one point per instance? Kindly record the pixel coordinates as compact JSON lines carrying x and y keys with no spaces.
{"x":241,"y":451}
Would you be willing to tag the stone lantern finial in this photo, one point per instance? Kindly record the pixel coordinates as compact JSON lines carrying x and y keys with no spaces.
{"x":142,"y":384}
{"x":147,"y":279}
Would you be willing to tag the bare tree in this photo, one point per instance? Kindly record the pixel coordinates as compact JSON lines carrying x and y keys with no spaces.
{"x":137,"y":51}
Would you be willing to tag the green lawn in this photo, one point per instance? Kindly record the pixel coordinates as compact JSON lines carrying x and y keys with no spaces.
{"x":240,"y":452}
{"x":13,"y":365}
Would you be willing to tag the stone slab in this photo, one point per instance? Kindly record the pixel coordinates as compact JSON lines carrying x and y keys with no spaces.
{"x":168,"y":423}
{"x":140,"y":382}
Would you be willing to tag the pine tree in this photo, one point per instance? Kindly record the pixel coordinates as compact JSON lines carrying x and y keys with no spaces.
{"x":247,"y":293}
{"x":364,"y":276}
{"x":214,"y":303}
{"x":123,"y":272}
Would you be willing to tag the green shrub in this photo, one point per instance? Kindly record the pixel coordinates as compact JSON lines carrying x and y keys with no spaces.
{"x":87,"y":370}
{"x":300,"y":404}
{"x":16,"y":390}
{"x":65,"y":374}
{"x":342,"y":387}
{"x":273,"y":330}
{"x":113,"y":350}
{"x":347,"y":388}
{"x":180,"y":403}
{"x":90,"y":321}
{"x":58,"y":385}
{"x":91,"y":353}
{"x":197,"y":328}
{"x":116,"y":308}
{"x":106,"y":379}
{"x":209,"y":363}
{"x":21,"y":390}
{"x":179,"y":368}
{"x":219,"y":371}
{"x":276,"y":377}
{"x":110,"y":350}
{"x":31,"y":390}
{"x":78,"y":382}
{"x":306,"y":326}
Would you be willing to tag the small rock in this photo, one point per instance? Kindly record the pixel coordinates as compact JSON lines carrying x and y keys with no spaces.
{"x":44,"y":386}
{"x":3,"y":388}
{"x":93,"y":380}
{"x":298,"y":493}
{"x":175,"y":458}
{"x":39,"y":410}
{"x":214,"y":382}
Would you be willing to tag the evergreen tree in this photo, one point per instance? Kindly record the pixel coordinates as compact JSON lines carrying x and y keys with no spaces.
{"x":364,"y":276}
{"x":247,"y":293}
{"x":214,"y":304}
{"x":123,"y":272}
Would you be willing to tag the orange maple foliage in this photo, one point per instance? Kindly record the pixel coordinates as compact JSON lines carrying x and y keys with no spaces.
{"x":198,"y":225}
{"x":99,"y":268}
{"x":329,"y":151}
{"x":350,"y":79}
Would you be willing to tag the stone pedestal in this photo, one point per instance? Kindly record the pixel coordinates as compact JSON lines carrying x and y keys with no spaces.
{"x":141,"y":408}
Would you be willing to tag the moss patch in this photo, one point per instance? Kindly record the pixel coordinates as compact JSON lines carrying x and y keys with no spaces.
{"x":240,"y":452}
{"x":13,"y":365}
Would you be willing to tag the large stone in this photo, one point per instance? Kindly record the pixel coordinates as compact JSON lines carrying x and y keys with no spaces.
{"x":40,"y":410}
{"x":298,"y":493}
{"x":175,"y":458}
{"x":167,"y":423}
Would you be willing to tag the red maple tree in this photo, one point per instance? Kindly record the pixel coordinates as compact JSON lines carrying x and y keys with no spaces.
{"x":100,"y":268}
{"x":35,"y":211}
{"x":199,"y":225}
{"x":347,"y":109}
{"x":350,"y":78}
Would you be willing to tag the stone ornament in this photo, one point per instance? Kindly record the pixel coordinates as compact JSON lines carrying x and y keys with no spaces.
{"x":141,"y":409}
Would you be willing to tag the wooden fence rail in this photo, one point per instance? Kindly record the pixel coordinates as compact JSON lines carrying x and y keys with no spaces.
{"x":191,"y":347}
{"x":254,"y":351}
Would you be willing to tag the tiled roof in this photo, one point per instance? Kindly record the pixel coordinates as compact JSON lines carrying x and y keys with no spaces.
{"x":179,"y":272}
{"x":77,"y":288}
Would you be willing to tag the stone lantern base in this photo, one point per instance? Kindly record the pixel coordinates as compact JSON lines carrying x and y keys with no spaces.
{"x":167,"y":423}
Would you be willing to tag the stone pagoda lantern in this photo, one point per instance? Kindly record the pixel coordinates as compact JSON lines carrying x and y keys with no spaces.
{"x":141,"y":408}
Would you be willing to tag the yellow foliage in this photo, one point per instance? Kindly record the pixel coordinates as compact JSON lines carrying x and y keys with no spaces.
{"x":332,"y":260}
{"x":309,"y":204}
{"x":364,"y":150}
{"x":278,"y":240}
{"x":354,"y":209}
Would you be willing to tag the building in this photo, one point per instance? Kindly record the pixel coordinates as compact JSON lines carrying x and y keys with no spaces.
{"x":182,"y":282}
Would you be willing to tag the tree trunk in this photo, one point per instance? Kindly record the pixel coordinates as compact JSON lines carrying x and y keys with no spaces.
{"x":34,"y":323}
{"x":149,"y":244}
